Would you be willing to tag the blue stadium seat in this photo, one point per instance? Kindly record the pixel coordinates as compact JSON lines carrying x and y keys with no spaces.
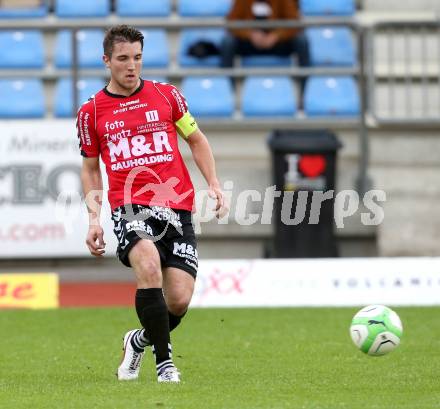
{"x":24,"y":12}
{"x":327,"y":7}
{"x":64,"y":95}
{"x":21,"y":49}
{"x":205,"y":8}
{"x":268,"y":97}
{"x":89,"y":48}
{"x":209,"y":96}
{"x":190,"y":36}
{"x":265,"y":61}
{"x":143,"y":8}
{"x":21,"y":98}
{"x":331,"y":96}
{"x":82,"y":8}
{"x":156,"y":51}
{"x":330,"y":46}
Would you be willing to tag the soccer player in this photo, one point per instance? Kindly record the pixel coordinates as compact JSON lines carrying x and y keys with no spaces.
{"x":132,"y":124}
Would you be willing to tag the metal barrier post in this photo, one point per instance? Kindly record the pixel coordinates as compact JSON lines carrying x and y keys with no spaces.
{"x":75,"y":96}
{"x":363,"y":181}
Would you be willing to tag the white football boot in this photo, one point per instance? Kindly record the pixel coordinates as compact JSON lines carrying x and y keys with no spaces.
{"x":169,"y":375}
{"x":131,"y":360}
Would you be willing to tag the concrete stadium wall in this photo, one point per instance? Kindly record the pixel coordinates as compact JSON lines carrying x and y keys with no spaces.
{"x":400,"y":5}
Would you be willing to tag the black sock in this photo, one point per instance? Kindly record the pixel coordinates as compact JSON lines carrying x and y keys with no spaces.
{"x":153,"y":315}
{"x":174,"y":320}
{"x":140,"y":340}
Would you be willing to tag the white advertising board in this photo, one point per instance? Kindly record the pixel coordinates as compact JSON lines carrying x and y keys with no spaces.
{"x":39,"y":161}
{"x":318,"y":282}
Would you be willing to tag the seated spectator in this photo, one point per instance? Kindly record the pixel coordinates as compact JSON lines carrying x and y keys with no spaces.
{"x":279,"y":41}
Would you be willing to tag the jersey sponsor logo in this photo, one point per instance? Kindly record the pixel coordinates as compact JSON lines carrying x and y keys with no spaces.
{"x":133,"y":163}
{"x":112,"y":126}
{"x":139,"y":146}
{"x":179,"y":99}
{"x":153,"y":127}
{"x":152,"y":116}
{"x":129,"y":106}
{"x":119,"y":134}
{"x":83,"y":124}
{"x":128,"y":103}
{"x":114,"y":137}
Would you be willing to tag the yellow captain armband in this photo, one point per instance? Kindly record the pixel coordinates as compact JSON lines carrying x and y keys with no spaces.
{"x":186,"y":125}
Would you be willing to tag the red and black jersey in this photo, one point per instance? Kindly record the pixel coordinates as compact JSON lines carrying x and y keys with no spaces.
{"x":136,"y":137}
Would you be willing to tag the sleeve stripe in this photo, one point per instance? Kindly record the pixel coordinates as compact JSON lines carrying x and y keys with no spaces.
{"x":166,"y":99}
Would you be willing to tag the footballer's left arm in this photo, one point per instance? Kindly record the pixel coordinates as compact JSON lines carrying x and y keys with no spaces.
{"x":204,"y":159}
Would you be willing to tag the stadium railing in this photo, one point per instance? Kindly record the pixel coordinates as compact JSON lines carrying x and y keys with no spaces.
{"x":238,"y":122}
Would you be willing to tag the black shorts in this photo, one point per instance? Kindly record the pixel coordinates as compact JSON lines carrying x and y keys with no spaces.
{"x":171,"y":231}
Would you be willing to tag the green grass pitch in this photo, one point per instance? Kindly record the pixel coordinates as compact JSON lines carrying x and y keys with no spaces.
{"x":229,"y":358}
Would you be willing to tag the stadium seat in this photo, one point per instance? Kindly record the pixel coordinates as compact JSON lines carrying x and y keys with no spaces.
{"x":21,"y":49}
{"x":156,"y":50}
{"x":190,"y":36}
{"x":330,"y":46}
{"x":203,"y":8}
{"x":82,"y":8}
{"x":24,"y":98}
{"x":143,"y":8}
{"x":327,"y":7}
{"x":209,"y":96}
{"x":268,"y":97}
{"x":331,"y":96}
{"x":89,"y":48}
{"x":64,"y":95}
{"x":24,"y":12}
{"x":265,"y":61}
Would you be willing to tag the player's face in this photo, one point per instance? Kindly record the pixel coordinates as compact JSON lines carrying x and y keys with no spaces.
{"x":125,"y":65}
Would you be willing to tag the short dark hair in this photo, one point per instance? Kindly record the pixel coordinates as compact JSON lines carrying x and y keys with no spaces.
{"x":121,"y":34}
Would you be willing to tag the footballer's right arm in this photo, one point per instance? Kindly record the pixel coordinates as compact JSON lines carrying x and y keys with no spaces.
{"x":91,"y":180}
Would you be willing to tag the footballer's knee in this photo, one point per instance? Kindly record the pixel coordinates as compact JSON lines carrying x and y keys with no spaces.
{"x":145,"y":261}
{"x":178,"y":304}
{"x":149,"y":274}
